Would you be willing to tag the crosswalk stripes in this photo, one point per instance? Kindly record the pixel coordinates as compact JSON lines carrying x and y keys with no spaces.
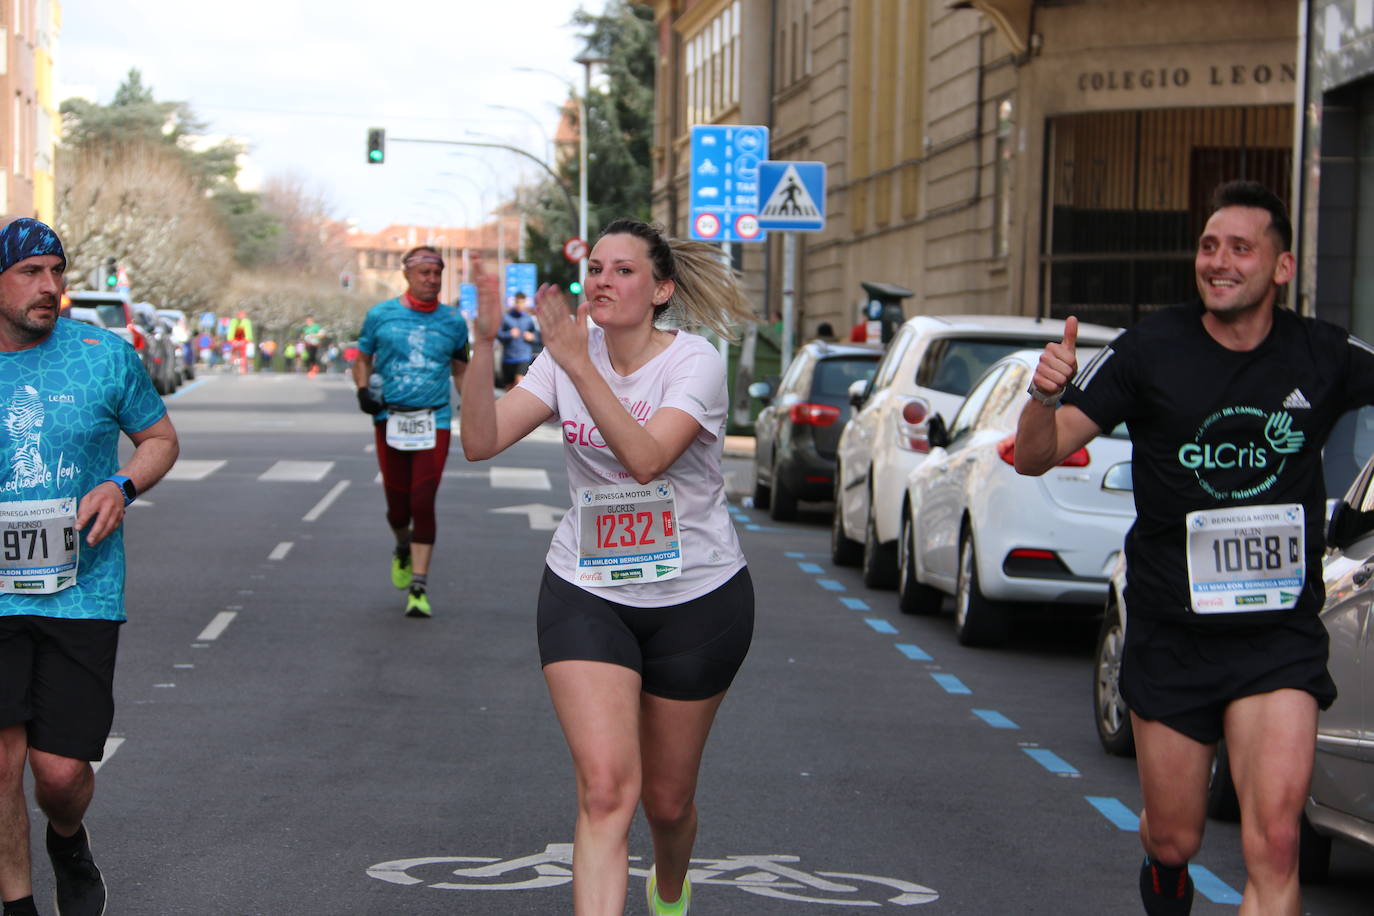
{"x":497,"y":477}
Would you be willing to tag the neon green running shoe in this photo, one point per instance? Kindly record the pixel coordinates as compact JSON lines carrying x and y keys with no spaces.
{"x":657,"y":907}
{"x":417,"y":603}
{"x":400,"y":570}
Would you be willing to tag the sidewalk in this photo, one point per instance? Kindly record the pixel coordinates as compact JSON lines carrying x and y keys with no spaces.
{"x":739,"y":446}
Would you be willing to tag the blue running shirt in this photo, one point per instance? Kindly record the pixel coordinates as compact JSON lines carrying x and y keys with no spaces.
{"x":65,"y":403}
{"x":413,"y":352}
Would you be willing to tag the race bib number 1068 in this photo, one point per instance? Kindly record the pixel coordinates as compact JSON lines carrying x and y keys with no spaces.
{"x":1249,"y":558}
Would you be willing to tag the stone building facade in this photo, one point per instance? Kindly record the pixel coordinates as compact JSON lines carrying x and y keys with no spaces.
{"x":29,"y":122}
{"x":1032,"y":157}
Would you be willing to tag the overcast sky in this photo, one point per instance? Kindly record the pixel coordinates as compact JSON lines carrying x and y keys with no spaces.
{"x":300,"y":81}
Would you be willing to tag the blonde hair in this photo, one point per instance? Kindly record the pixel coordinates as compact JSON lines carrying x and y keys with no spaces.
{"x":706,"y":289}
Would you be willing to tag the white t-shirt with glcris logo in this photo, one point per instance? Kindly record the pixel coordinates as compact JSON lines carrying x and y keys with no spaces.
{"x":688,"y":375}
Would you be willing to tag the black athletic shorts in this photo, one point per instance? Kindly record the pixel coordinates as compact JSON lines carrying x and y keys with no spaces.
{"x":1185,"y":678}
{"x":688,"y":651}
{"x":57,"y":677}
{"x":512,"y":371}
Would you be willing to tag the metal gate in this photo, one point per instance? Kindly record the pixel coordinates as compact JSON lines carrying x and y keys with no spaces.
{"x":1126,"y":199}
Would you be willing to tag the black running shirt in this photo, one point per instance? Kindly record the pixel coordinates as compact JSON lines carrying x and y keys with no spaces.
{"x":1213,"y":428}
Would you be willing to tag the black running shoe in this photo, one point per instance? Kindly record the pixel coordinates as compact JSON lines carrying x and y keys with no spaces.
{"x":80,"y":886}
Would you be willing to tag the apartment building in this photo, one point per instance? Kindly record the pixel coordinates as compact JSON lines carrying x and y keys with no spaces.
{"x":29,"y":122}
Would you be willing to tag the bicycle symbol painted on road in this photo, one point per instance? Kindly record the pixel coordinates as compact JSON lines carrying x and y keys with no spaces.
{"x":764,"y":875}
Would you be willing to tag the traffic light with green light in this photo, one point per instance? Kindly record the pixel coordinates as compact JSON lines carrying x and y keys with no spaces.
{"x":376,"y":145}
{"x":575,"y":288}
{"x":111,"y":273}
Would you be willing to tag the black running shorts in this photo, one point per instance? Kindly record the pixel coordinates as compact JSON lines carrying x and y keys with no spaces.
{"x":57,"y":677}
{"x":1185,"y":678}
{"x":688,"y":651}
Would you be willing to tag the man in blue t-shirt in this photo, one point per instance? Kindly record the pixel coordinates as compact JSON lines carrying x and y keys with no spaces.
{"x":519,"y":335}
{"x":67,"y":391}
{"x":414,"y":345}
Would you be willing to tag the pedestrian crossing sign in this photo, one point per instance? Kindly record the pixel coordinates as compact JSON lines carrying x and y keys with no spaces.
{"x":793,"y":195}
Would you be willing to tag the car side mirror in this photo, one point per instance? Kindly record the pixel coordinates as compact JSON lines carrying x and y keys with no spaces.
{"x":936,"y":432}
{"x":1346,"y":525}
{"x":858,"y":392}
{"x":761,"y":390}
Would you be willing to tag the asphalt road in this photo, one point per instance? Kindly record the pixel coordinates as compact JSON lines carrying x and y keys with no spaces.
{"x":287,"y":742}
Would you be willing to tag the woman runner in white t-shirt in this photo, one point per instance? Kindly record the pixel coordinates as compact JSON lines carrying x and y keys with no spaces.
{"x":646,"y":607}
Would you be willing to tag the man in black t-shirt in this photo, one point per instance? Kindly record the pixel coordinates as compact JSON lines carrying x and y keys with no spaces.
{"x":1229,"y":401}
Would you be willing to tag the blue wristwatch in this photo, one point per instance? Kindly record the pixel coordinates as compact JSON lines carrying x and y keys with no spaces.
{"x":125,"y":484}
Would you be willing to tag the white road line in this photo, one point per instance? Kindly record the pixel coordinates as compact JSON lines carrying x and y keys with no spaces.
{"x":280,"y":551}
{"x":520,"y":478}
{"x":217,"y":626}
{"x":297,"y":471}
{"x":326,"y":502}
{"x":111,"y":745}
{"x":190,"y":469}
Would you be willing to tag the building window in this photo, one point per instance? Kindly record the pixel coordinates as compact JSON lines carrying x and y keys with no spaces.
{"x":1127,"y":197}
{"x":1004,"y":156}
{"x":712,"y":68}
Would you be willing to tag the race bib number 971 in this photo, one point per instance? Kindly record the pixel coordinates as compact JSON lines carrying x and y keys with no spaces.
{"x":38,"y":546}
{"x":627,"y":534}
{"x":1250,"y":558}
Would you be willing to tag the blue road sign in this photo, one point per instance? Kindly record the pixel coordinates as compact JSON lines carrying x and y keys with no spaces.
{"x":793,"y":195}
{"x":725,"y":182}
{"x":520,"y":278}
{"x":467,"y":299}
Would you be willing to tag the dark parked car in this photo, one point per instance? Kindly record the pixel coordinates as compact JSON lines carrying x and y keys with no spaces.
{"x":796,"y":433}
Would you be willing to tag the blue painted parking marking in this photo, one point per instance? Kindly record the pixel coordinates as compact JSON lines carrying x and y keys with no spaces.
{"x":1212,"y":887}
{"x":915,"y":653}
{"x":1050,"y":760}
{"x":995,"y":718}
{"x":794,"y":554}
{"x":882,"y":626}
{"x":812,"y":568}
{"x":830,"y":585}
{"x":951,"y":683}
{"x":854,"y":604}
{"x":1113,"y":810}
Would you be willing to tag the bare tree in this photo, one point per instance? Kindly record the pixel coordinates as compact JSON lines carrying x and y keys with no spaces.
{"x":139,"y":204}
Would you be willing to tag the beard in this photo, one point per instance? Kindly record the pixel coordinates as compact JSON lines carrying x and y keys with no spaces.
{"x":32,"y":324}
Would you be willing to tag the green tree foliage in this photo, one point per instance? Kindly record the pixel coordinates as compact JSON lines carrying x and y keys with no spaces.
{"x":620,"y":118}
{"x":135,"y":118}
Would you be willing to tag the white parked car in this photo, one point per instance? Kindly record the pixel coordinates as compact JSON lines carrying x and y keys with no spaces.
{"x":974,"y":528}
{"x":928,"y":368}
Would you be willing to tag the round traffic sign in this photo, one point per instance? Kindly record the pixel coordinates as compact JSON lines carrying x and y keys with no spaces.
{"x":575,"y":249}
{"x":707,"y":225}
{"x":747,"y":226}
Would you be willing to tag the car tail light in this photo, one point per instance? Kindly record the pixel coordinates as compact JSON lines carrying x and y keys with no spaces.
{"x":813,"y":414}
{"x":1035,"y":563}
{"x":1006,"y":450}
{"x":137,"y":337}
{"x":912,"y":432}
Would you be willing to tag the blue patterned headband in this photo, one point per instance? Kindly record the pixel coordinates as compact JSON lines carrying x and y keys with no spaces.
{"x":27,"y":238}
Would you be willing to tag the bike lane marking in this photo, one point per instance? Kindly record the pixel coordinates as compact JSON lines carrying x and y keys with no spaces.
{"x":855,"y":604}
{"x":880,"y":625}
{"x":995,"y":718}
{"x":950,"y":683}
{"x":914,"y":652}
{"x":1052,"y":761}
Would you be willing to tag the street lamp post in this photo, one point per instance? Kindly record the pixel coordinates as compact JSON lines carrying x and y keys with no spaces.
{"x":586,"y":60}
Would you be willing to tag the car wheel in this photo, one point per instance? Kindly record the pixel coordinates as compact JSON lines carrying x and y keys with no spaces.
{"x":762,"y":495}
{"x":784,"y":501}
{"x":879,"y":560}
{"x":1222,"y":803}
{"x":1314,"y":854}
{"x":844,"y":551}
{"x":1113,"y":718}
{"x":977,"y":620}
{"x":913,"y":597}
